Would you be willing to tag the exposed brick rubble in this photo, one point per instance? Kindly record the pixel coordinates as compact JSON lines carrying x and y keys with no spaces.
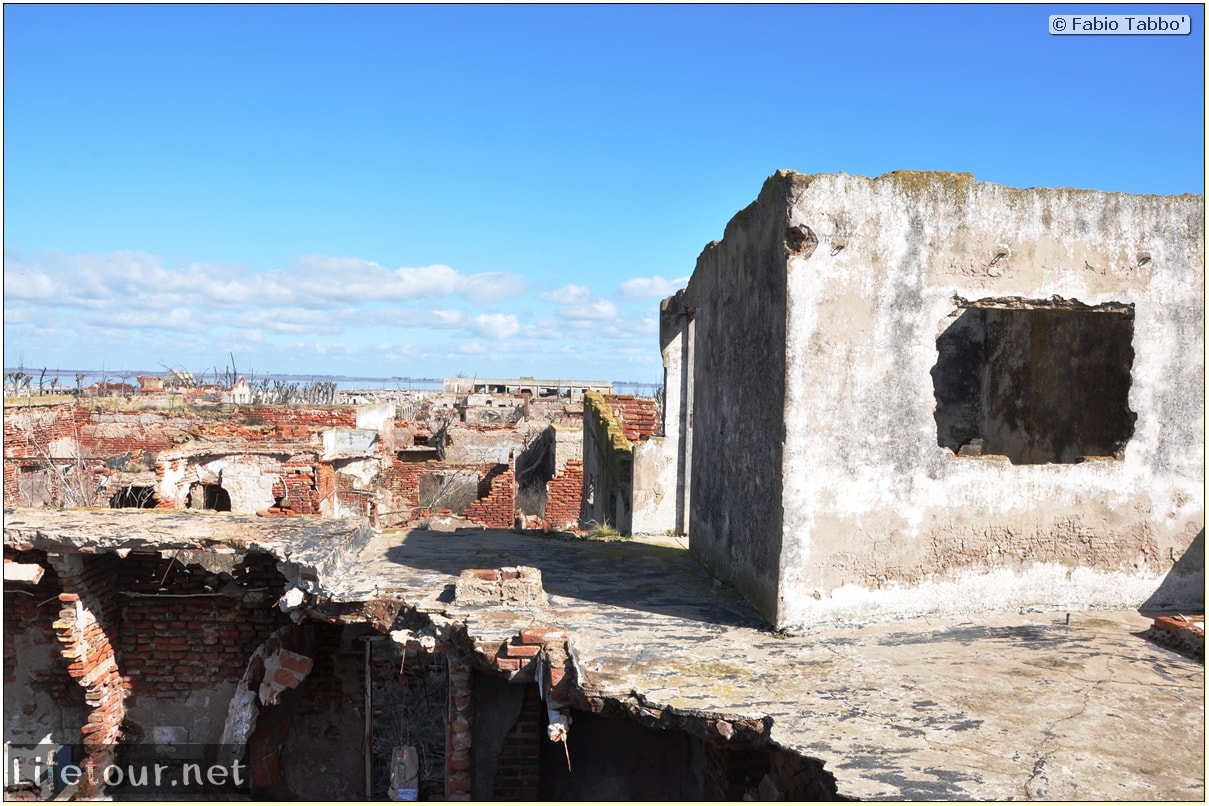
{"x":149,"y":626}
{"x":275,"y":461}
{"x":638,"y":416}
{"x":458,"y":779}
{"x":496,"y":505}
{"x":1184,"y":633}
{"x":85,"y":621}
{"x":563,"y":496}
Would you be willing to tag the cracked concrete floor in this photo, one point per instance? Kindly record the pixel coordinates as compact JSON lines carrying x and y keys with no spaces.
{"x":985,"y":707}
{"x":1009,"y":706}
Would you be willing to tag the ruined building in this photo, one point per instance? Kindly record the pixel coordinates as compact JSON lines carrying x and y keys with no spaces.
{"x":917,"y":394}
{"x":923,"y":393}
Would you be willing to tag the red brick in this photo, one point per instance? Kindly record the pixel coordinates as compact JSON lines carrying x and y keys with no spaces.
{"x":543,"y":635}
{"x":521,"y":651}
{"x":284,"y":677}
{"x":295,"y":662}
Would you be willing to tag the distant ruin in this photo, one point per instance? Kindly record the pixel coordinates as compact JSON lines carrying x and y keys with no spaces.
{"x":479,"y":451}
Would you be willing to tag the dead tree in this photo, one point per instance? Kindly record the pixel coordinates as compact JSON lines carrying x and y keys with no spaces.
{"x":72,"y":480}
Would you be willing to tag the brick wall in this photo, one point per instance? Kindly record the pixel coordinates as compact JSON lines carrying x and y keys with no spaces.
{"x":100,"y":434}
{"x":110,"y":441}
{"x":518,"y":771}
{"x":564,"y":496}
{"x":30,"y":617}
{"x":496,"y":505}
{"x":69,"y":435}
{"x":300,"y":484}
{"x":639,"y":416}
{"x":458,"y":779}
{"x":297,"y":423}
{"x":171,"y":645}
{"x":399,"y":485}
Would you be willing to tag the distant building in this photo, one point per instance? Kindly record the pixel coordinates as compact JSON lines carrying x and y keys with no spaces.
{"x":538,"y":388}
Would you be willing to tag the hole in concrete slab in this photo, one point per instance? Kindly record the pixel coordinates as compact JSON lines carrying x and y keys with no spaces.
{"x":1037,"y":381}
{"x":619,"y":759}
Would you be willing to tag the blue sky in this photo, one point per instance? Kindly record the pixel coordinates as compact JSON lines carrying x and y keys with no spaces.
{"x":418,"y":191}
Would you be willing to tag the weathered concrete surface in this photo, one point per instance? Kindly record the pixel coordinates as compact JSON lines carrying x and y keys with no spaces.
{"x":1011,"y":706}
{"x":655,"y":494}
{"x":822,"y":484}
{"x":307,"y":548}
{"x":1015,"y":706}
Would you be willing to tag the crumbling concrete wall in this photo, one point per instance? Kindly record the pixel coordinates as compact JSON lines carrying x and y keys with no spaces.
{"x":874,"y":513}
{"x":735,"y":308}
{"x":608,"y":467}
{"x":655,"y":486}
{"x":252,"y":478}
{"x":614,"y":425}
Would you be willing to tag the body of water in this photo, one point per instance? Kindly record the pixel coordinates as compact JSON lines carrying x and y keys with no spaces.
{"x":67,"y":380}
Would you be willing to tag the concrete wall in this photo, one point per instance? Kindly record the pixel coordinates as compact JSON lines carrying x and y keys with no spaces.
{"x":735,"y":309}
{"x":655,"y":487}
{"x":882,"y":518}
{"x":608,"y":467}
{"x":840,"y":360}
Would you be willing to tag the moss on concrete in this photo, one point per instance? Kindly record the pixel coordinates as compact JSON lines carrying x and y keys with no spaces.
{"x":931,"y":184}
{"x":616,"y":437}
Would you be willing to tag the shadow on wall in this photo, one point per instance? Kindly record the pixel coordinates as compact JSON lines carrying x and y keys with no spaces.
{"x":1183,"y":589}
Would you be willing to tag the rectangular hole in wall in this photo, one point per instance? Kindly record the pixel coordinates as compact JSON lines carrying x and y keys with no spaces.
{"x":1037,"y":381}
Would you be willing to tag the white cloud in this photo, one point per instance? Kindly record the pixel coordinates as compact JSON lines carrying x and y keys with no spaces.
{"x":487,"y":288}
{"x":319,"y":277}
{"x":650,"y":287}
{"x":28,"y":284}
{"x":315,"y":281}
{"x":568,"y":295}
{"x":323,"y":314}
{"x":496,"y":325}
{"x":447,"y":318}
{"x":596,"y":311}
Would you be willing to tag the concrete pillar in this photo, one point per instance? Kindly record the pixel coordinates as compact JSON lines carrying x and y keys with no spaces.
{"x":459,"y":779}
{"x":677,"y":331}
